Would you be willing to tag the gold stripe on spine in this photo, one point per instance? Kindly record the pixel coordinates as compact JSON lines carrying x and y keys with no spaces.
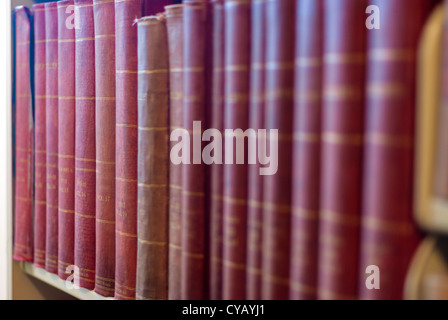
{"x":193,"y":255}
{"x":84,"y":39}
{"x":393,"y":227}
{"x":307,"y":137}
{"x":386,"y":90}
{"x":65,"y":210}
{"x":144,"y":185}
{"x":233,"y":265}
{"x":153,"y":71}
{"x":95,"y":2}
{"x":345,"y":58}
{"x":308,"y":62}
{"x":402,"y":141}
{"x":126,"y":71}
{"x":125,"y":180}
{"x":309,"y":96}
{"x":346,"y":139}
{"x":105,"y":221}
{"x":336,"y":217}
{"x":280,"y":65}
{"x":391,"y":55}
{"x":153,"y":128}
{"x":100,"y":36}
{"x":193,"y":193}
{"x":84,"y":215}
{"x":343,"y":93}
{"x":125,"y":125}
{"x":305,"y":213}
{"x":85,"y":169}
{"x":152,"y":243}
{"x":124,"y":234}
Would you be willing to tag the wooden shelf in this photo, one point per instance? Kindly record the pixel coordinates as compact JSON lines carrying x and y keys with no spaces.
{"x":54,"y":281}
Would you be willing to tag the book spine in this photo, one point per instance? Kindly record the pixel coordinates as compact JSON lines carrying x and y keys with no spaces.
{"x":341,"y":157}
{"x":306,"y":149}
{"x":174,"y":23}
{"x":40,"y":158}
{"x":280,"y":16}
{"x":66,"y":139}
{"x":51,"y":57}
{"x":256,"y":122}
{"x":153,"y":7}
{"x":104,"y":17}
{"x":216,"y":115}
{"x":193,"y":177}
{"x":389,"y":235}
{"x":23,"y":214}
{"x":126,"y":148}
{"x":236,"y":111}
{"x":85,"y":169}
{"x":153,"y":157}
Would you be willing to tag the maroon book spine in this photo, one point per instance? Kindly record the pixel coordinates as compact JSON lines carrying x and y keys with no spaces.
{"x":215,"y":116}
{"x":236,"y":112}
{"x":256,"y":121}
{"x":193,"y":177}
{"x":153,"y":7}
{"x":40,"y":158}
{"x":341,"y":157}
{"x":174,"y":24}
{"x":280,"y":22}
{"x":85,"y":169}
{"x":389,"y":235}
{"x":126,"y":148}
{"x":51,"y":55}
{"x":23,"y":214}
{"x":104,"y":17}
{"x":306,"y":150}
{"x":66,"y":139}
{"x":153,"y":158}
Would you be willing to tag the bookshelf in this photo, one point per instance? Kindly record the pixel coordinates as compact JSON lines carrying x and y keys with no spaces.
{"x":20,"y":280}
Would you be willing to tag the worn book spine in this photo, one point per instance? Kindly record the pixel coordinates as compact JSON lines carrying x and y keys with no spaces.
{"x":276,"y":204}
{"x":23,"y":213}
{"x":342,"y":141}
{"x":193,"y":177}
{"x":215,"y":118}
{"x":306,"y":149}
{"x":389,"y":235}
{"x":153,"y":7}
{"x":104,"y":17}
{"x":236,"y":116}
{"x":51,"y":94}
{"x":256,"y":121}
{"x":153,"y":159}
{"x":66,"y":139}
{"x":174,"y":24}
{"x":40,"y":158}
{"x":85,"y":168}
{"x":126,"y":147}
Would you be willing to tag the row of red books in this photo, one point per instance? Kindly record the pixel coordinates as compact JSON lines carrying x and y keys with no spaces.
{"x":101,"y":85}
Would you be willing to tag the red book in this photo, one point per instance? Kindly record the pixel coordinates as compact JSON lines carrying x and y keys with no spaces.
{"x":174,"y":24}
{"x":256,"y":121}
{"x":193,"y":177}
{"x":153,"y":159}
{"x":104,"y":17}
{"x":341,"y":161}
{"x":85,"y":158}
{"x":236,"y":116}
{"x":306,"y":150}
{"x":40,"y":158}
{"x":23,"y":213}
{"x":51,"y":57}
{"x":389,"y":235}
{"x":66,"y":164}
{"x":126,"y":147}
{"x":215,"y":120}
{"x":280,"y":23}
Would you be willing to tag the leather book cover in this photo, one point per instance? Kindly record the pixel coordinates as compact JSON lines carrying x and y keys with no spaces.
{"x":85,"y":168}
{"x":280,"y":38}
{"x":236,"y":116}
{"x":193,"y":177}
{"x":51,"y":94}
{"x":104,"y":17}
{"x":153,"y":158}
{"x":40,"y":157}
{"x":66,"y":139}
{"x":23,"y":208}
{"x":256,"y":121}
{"x":306,"y":149}
{"x":153,"y":7}
{"x":389,"y":234}
{"x":174,"y":25}
{"x":126,"y":147}
{"x":215,"y":116}
{"x":341,"y":150}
